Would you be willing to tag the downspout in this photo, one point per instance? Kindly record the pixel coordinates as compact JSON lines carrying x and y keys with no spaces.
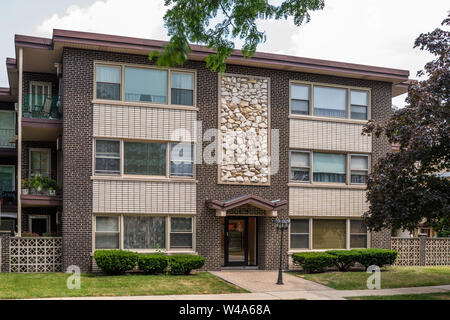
{"x":19,"y":147}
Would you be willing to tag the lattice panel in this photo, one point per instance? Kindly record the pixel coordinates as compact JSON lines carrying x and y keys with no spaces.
{"x":408,"y":251}
{"x":437,"y":252}
{"x":35,"y":254}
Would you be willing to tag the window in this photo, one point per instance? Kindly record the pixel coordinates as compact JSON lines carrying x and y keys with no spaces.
{"x":329,"y":234}
{"x":107,"y":157}
{"x":299,"y":233}
{"x":328,"y":167}
{"x":300,"y":166}
{"x":145,"y":158}
{"x":7,"y":177}
{"x":330,"y":102}
{"x":359,"y":169}
{"x":145,"y":85}
{"x":106,"y":232}
{"x":7,"y":128}
{"x":108,"y":82}
{"x":180,"y":232}
{"x":358,"y":234}
{"x":181,"y":159}
{"x":40,"y":162}
{"x":182,"y":90}
{"x":39,"y":224}
{"x":300,"y":99}
{"x":38,"y":93}
{"x":359,"y":102}
{"x":143,"y":232}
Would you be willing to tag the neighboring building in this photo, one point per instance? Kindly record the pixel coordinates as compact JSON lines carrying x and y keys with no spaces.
{"x":97,"y":117}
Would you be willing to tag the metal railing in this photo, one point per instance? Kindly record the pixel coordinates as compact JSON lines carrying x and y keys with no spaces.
{"x":40,"y":106}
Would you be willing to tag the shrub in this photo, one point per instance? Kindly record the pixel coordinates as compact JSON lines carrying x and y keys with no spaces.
{"x":314,"y":261}
{"x":345,"y":258}
{"x":153,"y":263}
{"x":115,"y":261}
{"x":184,"y":263}
{"x":378,"y":257}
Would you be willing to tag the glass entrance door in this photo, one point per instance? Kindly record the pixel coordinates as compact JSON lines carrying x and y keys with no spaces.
{"x":236,"y":241}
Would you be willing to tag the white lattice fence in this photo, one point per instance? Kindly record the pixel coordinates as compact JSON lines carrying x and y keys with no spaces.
{"x":38,"y":254}
{"x":437,"y":251}
{"x":408,"y":251}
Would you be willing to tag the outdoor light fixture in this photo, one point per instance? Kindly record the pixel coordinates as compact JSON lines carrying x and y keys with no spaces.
{"x":282,"y":224}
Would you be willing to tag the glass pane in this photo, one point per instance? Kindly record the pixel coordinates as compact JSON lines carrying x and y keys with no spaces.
{"x":108,"y":91}
{"x":147,"y":85}
{"x":329,"y":234}
{"x":299,"y":241}
{"x":359,"y":97}
{"x":356,"y":226}
{"x":6,"y":120}
{"x":182,"y":81}
{"x":330,"y":102}
{"x":358,"y":112}
{"x":359,"y":162}
{"x":107,"y":223}
{"x":6,"y":178}
{"x":299,"y":226}
{"x":144,"y":232}
{"x":106,"y":240}
{"x":358,"y":177}
{"x":328,"y":167}
{"x":299,"y":107}
{"x":299,"y":92}
{"x":181,"y":240}
{"x":299,"y":159}
{"x":298,"y":174}
{"x":107,"y":148}
{"x":358,"y":241}
{"x":182,"y":97}
{"x":104,"y":165}
{"x":108,"y":74}
{"x":145,"y":158}
{"x":180,"y":224}
{"x":182,"y":158}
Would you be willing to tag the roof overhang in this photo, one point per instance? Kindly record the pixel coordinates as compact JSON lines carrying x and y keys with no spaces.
{"x":271,"y":207}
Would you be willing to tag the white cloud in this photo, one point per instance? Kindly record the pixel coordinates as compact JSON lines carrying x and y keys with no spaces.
{"x":374,"y":32}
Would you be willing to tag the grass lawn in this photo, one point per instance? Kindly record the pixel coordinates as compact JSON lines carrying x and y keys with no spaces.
{"x":423,"y":296}
{"x":45,"y":285}
{"x":391,"y":277}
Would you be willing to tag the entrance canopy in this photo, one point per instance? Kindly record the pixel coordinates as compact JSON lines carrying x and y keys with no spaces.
{"x":269,"y":206}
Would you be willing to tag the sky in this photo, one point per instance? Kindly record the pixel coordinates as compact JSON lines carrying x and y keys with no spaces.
{"x":373,"y":32}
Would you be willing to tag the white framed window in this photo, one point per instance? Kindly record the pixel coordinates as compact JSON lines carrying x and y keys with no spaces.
{"x":359,"y":101}
{"x":39,"y":91}
{"x":299,"y":233}
{"x":300,"y":99}
{"x":182,"y":159}
{"x":145,"y":85}
{"x":40,"y":162}
{"x":300,"y":166}
{"x":358,"y":234}
{"x":182,"y":88}
{"x":329,"y":167}
{"x":359,"y":168}
{"x":330,"y":102}
{"x":181,"y":230}
{"x":107,"y":232}
{"x":107,"y":157}
{"x":108,"y":82}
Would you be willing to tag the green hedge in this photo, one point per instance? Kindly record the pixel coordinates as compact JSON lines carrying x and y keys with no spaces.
{"x":314,"y":261}
{"x":378,"y":257}
{"x":153,"y":263}
{"x":345,"y":259}
{"x":115,"y":261}
{"x":184,"y":263}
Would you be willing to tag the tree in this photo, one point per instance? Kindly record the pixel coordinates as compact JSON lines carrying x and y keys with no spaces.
{"x":191,"y":21}
{"x":406,"y":187}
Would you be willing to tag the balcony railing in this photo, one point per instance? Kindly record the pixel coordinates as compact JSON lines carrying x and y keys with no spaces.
{"x":39,"y":106}
{"x":6,"y":136}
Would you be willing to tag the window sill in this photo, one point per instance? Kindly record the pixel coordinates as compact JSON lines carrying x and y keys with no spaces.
{"x":327,"y":119}
{"x":327,"y":185}
{"x":143,"y":251}
{"x":143,"y":104}
{"x":143,"y":178}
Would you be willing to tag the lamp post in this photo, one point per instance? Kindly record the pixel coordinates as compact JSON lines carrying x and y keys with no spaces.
{"x":282,"y":224}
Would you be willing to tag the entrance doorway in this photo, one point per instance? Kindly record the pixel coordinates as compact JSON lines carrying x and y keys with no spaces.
{"x":240,"y":241}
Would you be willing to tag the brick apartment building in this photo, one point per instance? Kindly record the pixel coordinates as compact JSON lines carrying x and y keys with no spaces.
{"x":127,"y":145}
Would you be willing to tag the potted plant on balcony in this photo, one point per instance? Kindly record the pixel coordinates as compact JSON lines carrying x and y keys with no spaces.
{"x":51,"y":192}
{"x":25,"y":186}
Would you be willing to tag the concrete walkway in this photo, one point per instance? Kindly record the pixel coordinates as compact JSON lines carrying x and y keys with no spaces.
{"x":262,"y":286}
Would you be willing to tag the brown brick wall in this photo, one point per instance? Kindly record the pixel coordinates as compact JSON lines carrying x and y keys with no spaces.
{"x":77,"y":141}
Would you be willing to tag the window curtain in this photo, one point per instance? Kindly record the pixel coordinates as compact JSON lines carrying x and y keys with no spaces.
{"x":300,"y":159}
{"x":330,"y":102}
{"x":145,"y":158}
{"x":181,"y":159}
{"x":108,"y":83}
{"x":181,"y":233}
{"x":329,"y":167}
{"x":107,"y":148}
{"x":6,"y":178}
{"x":108,"y":74}
{"x":182,"y":89}
{"x":299,"y":92}
{"x":107,"y":233}
{"x":144,"y":232}
{"x":329,"y":234}
{"x":359,"y":98}
{"x":359,"y":163}
{"x":145,"y":85}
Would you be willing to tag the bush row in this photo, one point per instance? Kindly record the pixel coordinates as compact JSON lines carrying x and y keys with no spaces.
{"x":344,"y":259}
{"x":118,"y":261}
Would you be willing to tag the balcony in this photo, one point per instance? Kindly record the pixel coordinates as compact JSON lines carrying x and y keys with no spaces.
{"x":41,"y":117}
{"x":40,"y":191}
